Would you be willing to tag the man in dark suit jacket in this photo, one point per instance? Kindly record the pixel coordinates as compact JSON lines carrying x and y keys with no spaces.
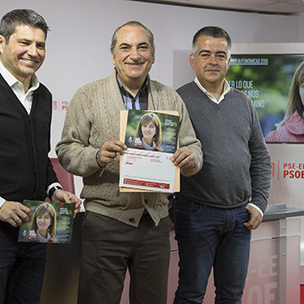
{"x":26,"y":171}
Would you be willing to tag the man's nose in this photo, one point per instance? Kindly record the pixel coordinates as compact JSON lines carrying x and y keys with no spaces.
{"x":212,"y":59}
{"x":134,"y":53}
{"x":32,"y":50}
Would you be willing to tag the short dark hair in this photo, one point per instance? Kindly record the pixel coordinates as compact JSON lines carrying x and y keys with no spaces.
{"x":135,"y":23}
{"x":211,"y":31}
{"x":21,"y":17}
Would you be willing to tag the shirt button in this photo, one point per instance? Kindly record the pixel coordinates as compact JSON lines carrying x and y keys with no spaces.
{"x":131,"y":219}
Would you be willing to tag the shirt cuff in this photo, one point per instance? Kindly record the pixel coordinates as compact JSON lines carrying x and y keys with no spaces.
{"x":52,"y":188}
{"x":256,"y":207}
{"x":2,"y":200}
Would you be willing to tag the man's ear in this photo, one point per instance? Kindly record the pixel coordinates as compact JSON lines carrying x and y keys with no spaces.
{"x":192,"y":60}
{"x":2,"y":42}
{"x":113,"y":58}
{"x":229,"y":60}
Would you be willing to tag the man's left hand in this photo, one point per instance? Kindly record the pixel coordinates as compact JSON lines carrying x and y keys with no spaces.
{"x":255,"y":218}
{"x":184,"y":158}
{"x":67,"y":197}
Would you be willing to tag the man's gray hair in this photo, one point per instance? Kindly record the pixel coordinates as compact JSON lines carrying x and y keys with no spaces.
{"x":135,"y":23}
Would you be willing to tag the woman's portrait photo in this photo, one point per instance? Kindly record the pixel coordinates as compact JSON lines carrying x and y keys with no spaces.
{"x":151,"y":131}
{"x":291,"y":128}
{"x":43,"y":225}
{"x":148,"y":133}
{"x":275,"y":84}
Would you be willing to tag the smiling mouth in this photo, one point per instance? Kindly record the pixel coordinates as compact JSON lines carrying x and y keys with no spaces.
{"x":135,"y":63}
{"x":29,"y":61}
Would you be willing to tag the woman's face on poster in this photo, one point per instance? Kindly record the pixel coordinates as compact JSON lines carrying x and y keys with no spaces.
{"x":43,"y":221}
{"x":148,"y":131}
{"x":301,"y":92}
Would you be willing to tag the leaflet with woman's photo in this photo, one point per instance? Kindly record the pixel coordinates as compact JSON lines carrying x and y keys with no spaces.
{"x":50,"y":222}
{"x":152,"y":139}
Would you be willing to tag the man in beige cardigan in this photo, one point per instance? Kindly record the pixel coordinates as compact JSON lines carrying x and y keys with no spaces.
{"x":122,"y":230}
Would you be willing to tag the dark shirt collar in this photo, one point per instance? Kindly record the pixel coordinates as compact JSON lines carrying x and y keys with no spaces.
{"x":140,"y":101}
{"x":142,"y":90}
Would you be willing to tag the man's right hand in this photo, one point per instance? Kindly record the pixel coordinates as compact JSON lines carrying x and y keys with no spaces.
{"x":14,"y":213}
{"x":109,"y":151}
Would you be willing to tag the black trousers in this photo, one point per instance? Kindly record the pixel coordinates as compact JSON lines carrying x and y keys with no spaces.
{"x":110,"y":247}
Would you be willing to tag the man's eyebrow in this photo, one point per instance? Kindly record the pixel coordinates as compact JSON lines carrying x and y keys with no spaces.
{"x":30,"y":41}
{"x":203,"y":51}
{"x":24,"y":39}
{"x":221,"y":52}
{"x":209,"y":52}
{"x":143,"y":43}
{"x":139,"y":44}
{"x":124,"y":44}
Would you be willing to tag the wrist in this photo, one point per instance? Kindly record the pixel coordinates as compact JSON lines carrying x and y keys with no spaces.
{"x":97,"y":160}
{"x":52,"y":191}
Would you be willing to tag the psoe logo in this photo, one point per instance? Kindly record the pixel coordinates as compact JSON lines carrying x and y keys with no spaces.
{"x":60,"y":105}
{"x":287,"y":170}
{"x":293,"y":170}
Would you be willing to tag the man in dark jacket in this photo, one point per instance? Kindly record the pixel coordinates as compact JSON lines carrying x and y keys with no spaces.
{"x":26,"y":171}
